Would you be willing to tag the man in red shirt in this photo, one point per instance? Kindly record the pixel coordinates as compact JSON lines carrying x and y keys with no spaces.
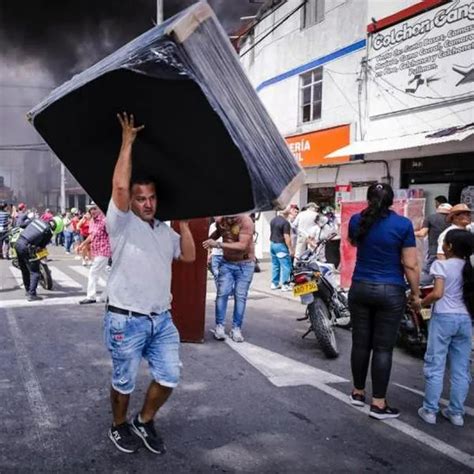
{"x":100,"y":251}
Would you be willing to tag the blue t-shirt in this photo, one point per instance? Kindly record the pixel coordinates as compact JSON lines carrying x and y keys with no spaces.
{"x":380,"y":253}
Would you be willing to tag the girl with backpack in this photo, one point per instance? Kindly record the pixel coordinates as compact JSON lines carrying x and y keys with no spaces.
{"x":450,"y":329}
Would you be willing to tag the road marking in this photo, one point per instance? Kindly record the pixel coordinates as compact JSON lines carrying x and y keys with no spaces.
{"x":84,"y":271}
{"x":443,"y":401}
{"x":283,"y":371}
{"x":63,"y":280}
{"x":17,"y":275}
{"x":46,"y":302}
{"x":42,"y":415}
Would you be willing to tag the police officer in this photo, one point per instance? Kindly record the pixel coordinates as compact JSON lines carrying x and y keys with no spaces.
{"x":36,"y":235}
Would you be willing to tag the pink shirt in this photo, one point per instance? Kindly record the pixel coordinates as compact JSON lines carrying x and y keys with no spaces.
{"x":100,"y":244}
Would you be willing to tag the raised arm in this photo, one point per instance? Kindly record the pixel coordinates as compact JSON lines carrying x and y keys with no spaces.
{"x":123,"y":167}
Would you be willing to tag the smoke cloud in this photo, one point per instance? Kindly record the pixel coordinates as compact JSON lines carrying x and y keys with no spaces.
{"x":67,"y":36}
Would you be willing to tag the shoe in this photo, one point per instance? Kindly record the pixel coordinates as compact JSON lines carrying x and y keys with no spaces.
{"x":427,"y":416}
{"x":33,"y":298}
{"x":219,"y":332}
{"x":147,"y":432}
{"x":124,"y":438}
{"x":456,"y":420}
{"x":274,"y":287}
{"x":88,"y":301}
{"x":68,"y":253}
{"x":383,"y":413}
{"x":84,"y":263}
{"x":357,"y":399}
{"x":286,"y":288}
{"x":236,"y":335}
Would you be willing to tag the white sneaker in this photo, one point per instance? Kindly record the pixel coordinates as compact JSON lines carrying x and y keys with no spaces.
{"x":236,"y":335}
{"x":427,"y":416}
{"x":286,"y":288}
{"x":219,"y":332}
{"x":274,"y":287}
{"x":84,"y":263}
{"x":457,"y":420}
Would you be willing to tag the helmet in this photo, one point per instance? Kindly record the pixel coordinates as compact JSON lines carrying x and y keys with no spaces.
{"x":74,"y":210}
{"x":56,"y":224}
{"x":21,"y":206}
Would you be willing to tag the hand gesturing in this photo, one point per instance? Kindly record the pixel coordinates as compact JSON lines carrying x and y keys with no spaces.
{"x":129,"y":131}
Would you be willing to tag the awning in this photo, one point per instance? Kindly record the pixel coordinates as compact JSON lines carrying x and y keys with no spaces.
{"x":407,"y":141}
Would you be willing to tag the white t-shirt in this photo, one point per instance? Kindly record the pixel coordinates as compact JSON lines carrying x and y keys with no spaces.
{"x":215,"y":250}
{"x":450,"y":271}
{"x":140,"y":278}
{"x":304,"y":221}
{"x":443,"y":235}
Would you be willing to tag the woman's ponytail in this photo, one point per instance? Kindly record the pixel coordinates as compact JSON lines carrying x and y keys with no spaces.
{"x":379,"y":199}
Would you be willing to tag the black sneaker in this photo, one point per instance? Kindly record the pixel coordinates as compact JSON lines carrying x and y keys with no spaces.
{"x":88,"y":301}
{"x":147,"y":432}
{"x":33,"y":298}
{"x":383,"y":413}
{"x":124,"y":439}
{"x":357,"y":399}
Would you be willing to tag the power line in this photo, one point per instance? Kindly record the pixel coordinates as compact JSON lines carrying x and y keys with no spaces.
{"x":342,"y":92}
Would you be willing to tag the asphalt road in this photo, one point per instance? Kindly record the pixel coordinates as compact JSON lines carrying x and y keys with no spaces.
{"x":273,"y":404}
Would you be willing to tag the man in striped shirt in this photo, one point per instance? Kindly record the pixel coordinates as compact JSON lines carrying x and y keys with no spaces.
{"x":5,"y":222}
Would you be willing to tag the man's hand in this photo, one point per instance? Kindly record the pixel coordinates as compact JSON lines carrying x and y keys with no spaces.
{"x":210,"y":244}
{"x":415,"y":301}
{"x":129,"y":131}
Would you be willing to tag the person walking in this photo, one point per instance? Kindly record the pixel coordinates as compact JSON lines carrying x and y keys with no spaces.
{"x":215,"y":255}
{"x":281,"y":251}
{"x":432,"y":227}
{"x":235,"y":272}
{"x":450,"y":328}
{"x":5,"y":223}
{"x":138,"y":322}
{"x":459,"y":217}
{"x":98,"y":241}
{"x":83,"y":226}
{"x":386,"y":252}
{"x":303,"y":223}
{"x":68,"y":231}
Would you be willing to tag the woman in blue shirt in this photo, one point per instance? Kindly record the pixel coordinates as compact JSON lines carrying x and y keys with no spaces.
{"x":386,"y":254}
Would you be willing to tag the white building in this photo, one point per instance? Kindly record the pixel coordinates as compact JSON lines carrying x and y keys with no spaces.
{"x":366,"y":90}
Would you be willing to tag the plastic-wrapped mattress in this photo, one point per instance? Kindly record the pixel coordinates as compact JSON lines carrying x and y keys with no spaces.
{"x":208,"y":142}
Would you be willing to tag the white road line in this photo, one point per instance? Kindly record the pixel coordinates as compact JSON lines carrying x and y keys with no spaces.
{"x":67,"y":300}
{"x":16,"y":274}
{"x":63,"y":280}
{"x":283,"y":371}
{"x":443,"y":401}
{"x":84,"y":271}
{"x":42,"y":414}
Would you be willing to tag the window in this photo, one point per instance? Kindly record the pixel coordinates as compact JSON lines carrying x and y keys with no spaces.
{"x":312,"y":13}
{"x":311,"y":95}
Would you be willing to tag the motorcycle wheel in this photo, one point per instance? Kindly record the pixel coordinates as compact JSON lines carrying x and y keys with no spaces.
{"x":322,"y":326}
{"x":46,"y":280}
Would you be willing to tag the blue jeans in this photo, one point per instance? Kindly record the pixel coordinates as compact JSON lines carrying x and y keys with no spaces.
{"x":281,"y":264}
{"x":234,"y":277}
{"x":450,"y":335}
{"x":67,"y":240}
{"x":129,"y":338}
{"x":215,"y":265}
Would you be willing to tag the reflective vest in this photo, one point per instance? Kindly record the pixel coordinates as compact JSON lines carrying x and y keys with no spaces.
{"x":37,"y":232}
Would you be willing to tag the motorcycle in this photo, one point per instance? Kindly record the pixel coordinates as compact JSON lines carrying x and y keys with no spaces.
{"x":46,"y":279}
{"x":413,"y":332}
{"x":326,"y":304}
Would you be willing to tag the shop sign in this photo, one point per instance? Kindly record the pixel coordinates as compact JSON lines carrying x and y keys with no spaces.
{"x":343,"y":193}
{"x":310,"y":149}
{"x":424,"y":60}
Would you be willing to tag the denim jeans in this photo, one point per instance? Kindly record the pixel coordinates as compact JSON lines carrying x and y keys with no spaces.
{"x":281,"y":264}
{"x":376,"y":312}
{"x":129,"y":338}
{"x":67,"y":240}
{"x":234,"y":277}
{"x":449,"y":336}
{"x":215,"y":265}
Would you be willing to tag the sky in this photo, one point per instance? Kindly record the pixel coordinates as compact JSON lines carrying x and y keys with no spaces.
{"x":64,"y":37}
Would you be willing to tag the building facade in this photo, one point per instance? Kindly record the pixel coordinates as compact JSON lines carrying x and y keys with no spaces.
{"x":368,"y":91}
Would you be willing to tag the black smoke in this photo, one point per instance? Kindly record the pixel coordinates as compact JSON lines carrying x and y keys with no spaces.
{"x":67,"y":36}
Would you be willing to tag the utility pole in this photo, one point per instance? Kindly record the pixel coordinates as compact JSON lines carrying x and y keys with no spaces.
{"x":159,"y":12}
{"x":62,"y":196}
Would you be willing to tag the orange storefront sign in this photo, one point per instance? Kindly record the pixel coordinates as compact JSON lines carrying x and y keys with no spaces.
{"x":311,"y":148}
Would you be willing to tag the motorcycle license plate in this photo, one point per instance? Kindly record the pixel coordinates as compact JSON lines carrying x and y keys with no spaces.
{"x":305,"y":288}
{"x":41,"y":254}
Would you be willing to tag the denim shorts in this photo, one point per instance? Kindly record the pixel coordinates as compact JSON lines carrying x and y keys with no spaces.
{"x":129,"y":338}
